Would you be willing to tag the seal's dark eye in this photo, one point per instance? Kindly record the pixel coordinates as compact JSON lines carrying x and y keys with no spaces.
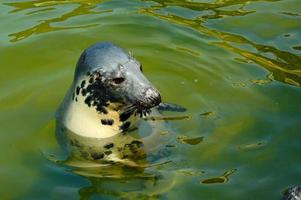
{"x":118,"y":80}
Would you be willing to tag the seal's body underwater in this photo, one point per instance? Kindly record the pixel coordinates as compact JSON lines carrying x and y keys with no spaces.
{"x":108,"y":95}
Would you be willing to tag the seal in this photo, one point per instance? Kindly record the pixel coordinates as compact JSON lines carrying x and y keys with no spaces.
{"x":292,"y":193}
{"x":108,"y":95}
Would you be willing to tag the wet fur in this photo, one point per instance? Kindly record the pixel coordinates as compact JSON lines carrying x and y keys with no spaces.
{"x":102,"y":106}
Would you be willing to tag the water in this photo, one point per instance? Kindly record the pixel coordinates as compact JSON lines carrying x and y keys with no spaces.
{"x":234,"y":64}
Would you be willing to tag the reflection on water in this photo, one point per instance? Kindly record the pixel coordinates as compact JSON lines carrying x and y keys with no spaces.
{"x":284,"y":66}
{"x":129,"y":182}
{"x":85,"y":7}
{"x":221,"y":179}
{"x":139,"y":183}
{"x":198,"y":6}
{"x":98,"y":187}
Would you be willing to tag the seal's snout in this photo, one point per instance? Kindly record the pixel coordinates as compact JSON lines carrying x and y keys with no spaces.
{"x":151,"y":97}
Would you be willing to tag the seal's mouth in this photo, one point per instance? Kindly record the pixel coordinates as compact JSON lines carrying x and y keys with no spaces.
{"x":141,"y":108}
{"x":142,"y":112}
{"x":142,"y":104}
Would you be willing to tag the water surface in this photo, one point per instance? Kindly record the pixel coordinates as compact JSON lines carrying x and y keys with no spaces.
{"x":234,"y":64}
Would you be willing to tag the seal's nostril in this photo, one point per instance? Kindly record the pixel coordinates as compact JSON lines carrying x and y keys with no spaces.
{"x":157,"y":100}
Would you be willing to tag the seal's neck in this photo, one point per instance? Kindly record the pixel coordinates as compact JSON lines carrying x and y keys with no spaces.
{"x":85,"y":119}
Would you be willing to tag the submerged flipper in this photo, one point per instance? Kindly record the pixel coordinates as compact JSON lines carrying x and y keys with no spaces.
{"x":170,"y":107}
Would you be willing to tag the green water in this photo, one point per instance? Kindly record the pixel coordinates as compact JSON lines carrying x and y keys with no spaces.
{"x":234,"y":64}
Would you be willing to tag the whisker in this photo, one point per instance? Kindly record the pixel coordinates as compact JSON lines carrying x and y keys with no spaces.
{"x":136,"y":109}
{"x":127,"y":112}
{"x":130,"y":107}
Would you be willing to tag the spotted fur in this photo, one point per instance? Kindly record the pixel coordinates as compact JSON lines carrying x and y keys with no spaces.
{"x":108,"y":95}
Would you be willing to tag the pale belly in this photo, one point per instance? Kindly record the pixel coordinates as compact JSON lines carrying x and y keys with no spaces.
{"x":140,"y":147}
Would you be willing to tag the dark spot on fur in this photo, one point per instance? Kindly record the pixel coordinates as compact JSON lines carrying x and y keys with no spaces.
{"x":97,"y":156}
{"x":107,"y":122}
{"x":109,"y":145}
{"x":88,"y":73}
{"x":92,"y":89}
{"x":84,"y":92}
{"x":125,"y":126}
{"x":77,"y":90}
{"x":88,"y":100}
{"x":76,"y":99}
{"x":108,"y":152}
{"x":101,"y":109}
{"x":97,"y":94}
{"x":125,"y":115}
{"x":124,"y":156}
{"x":73,"y":96}
{"x":83,"y":84}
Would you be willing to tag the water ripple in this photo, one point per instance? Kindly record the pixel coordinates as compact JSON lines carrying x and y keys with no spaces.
{"x":284,"y":66}
{"x":44,"y":26}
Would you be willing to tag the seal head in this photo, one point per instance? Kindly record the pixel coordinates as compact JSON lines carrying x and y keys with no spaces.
{"x":108,"y":89}
{"x":121,"y":78}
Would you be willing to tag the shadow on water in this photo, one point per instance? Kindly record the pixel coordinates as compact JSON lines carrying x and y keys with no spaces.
{"x":284,"y":66}
{"x":85,"y":7}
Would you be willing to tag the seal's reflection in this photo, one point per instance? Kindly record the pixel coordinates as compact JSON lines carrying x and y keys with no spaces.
{"x":125,"y":183}
{"x":120,"y":181}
